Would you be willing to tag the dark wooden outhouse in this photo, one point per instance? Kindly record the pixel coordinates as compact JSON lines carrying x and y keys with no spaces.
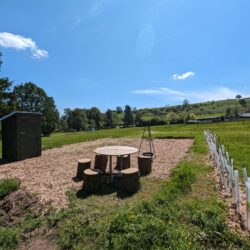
{"x":21,"y":136}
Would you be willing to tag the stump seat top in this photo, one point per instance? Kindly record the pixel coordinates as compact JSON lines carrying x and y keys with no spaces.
{"x":116,"y":150}
{"x":84,"y":160}
{"x":144,"y":157}
{"x":130,"y":171}
{"x":91,"y":171}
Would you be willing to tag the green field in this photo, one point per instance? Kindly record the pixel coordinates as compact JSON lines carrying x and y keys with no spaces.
{"x":235,"y":136}
{"x":183,"y":212}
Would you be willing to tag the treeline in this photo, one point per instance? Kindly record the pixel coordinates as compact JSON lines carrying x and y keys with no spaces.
{"x":92,"y":119}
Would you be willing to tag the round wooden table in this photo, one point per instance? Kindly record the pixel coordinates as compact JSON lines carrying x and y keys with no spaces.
{"x":115,"y":151}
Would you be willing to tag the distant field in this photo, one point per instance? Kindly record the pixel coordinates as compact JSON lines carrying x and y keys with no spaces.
{"x":210,"y":115}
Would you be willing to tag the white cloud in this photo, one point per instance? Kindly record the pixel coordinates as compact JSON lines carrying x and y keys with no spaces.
{"x":9,"y":40}
{"x":183,"y":76}
{"x":220,"y":93}
{"x":97,"y":8}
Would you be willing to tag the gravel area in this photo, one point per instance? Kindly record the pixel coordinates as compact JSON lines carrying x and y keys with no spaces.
{"x":50,"y":175}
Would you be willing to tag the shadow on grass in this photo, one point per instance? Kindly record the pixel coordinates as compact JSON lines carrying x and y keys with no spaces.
{"x":107,"y":188}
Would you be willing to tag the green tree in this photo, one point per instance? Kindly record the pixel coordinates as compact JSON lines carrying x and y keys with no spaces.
{"x":119,"y":110}
{"x":50,"y":116}
{"x":172,"y":117}
{"x":138,"y":118}
{"x":238,"y":97}
{"x":109,"y":119}
{"x":1,"y":60}
{"x":96,"y":115}
{"x":128,"y":116}
{"x":185,"y":104}
{"x":6,"y":104}
{"x":29,"y":97}
{"x":243,"y":102}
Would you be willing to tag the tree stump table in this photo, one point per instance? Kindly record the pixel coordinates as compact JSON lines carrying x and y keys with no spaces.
{"x":91,"y":180}
{"x":115,"y":151}
{"x":130,"y":180}
{"x":145,"y":164}
{"x":82,"y":165}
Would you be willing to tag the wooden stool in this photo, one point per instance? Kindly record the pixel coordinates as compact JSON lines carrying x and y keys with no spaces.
{"x":101,"y":162}
{"x":123,"y":162}
{"x":82,"y":165}
{"x":145,"y":164}
{"x":91,"y":180}
{"x":130,"y":180}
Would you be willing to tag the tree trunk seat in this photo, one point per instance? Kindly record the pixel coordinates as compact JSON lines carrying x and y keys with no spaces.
{"x":130,"y":180}
{"x":123,"y":162}
{"x":101,"y":162}
{"x":91,"y":180}
{"x":145,"y":164}
{"x":82,"y":165}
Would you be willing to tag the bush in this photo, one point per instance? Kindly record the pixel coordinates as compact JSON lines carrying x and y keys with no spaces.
{"x":8,"y":238}
{"x":7,"y":186}
{"x":137,"y":231}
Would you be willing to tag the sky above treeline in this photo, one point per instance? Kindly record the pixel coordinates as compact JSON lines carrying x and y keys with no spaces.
{"x":145,"y":53}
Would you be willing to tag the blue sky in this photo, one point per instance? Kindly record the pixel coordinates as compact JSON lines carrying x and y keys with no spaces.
{"x":145,"y":53}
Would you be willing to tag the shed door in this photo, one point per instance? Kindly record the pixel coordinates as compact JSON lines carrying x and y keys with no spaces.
{"x":29,"y":137}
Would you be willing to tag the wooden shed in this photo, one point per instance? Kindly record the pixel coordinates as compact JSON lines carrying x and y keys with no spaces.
{"x":21,"y":135}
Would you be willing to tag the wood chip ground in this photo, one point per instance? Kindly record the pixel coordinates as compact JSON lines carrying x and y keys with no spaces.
{"x":50,"y":175}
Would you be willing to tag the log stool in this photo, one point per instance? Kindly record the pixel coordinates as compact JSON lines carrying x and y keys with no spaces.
{"x":101,"y":162}
{"x":123,"y":162}
{"x":91,"y":180}
{"x":130,"y":180}
{"x":82,"y":165}
{"x":145,"y":164}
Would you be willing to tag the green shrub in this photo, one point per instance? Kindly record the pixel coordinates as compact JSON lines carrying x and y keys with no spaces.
{"x":137,"y":231}
{"x":7,"y":186}
{"x":214,"y":232}
{"x":8,"y":238}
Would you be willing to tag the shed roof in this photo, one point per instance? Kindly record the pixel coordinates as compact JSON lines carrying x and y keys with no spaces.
{"x":19,"y":112}
{"x":245,"y":115}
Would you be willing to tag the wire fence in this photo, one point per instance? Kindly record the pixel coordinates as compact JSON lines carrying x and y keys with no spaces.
{"x":229,"y":176}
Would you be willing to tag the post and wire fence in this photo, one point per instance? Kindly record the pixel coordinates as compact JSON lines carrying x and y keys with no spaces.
{"x":229,"y":176}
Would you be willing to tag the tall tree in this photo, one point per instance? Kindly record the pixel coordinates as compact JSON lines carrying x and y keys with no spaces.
{"x":128,"y":116}
{"x":29,"y":97}
{"x":1,"y":60}
{"x":6,"y":104}
{"x":238,"y":97}
{"x":96,"y":115}
{"x":109,"y":118}
{"x":119,"y":110}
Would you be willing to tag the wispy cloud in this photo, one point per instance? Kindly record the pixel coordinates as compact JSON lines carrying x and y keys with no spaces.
{"x":219,"y":93}
{"x":97,"y":8}
{"x":183,"y":76}
{"x":9,"y":40}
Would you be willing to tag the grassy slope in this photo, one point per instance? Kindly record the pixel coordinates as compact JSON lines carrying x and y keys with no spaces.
{"x":205,"y":108}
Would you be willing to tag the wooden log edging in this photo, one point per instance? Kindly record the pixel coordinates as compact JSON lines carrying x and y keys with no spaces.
{"x":229,"y":177}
